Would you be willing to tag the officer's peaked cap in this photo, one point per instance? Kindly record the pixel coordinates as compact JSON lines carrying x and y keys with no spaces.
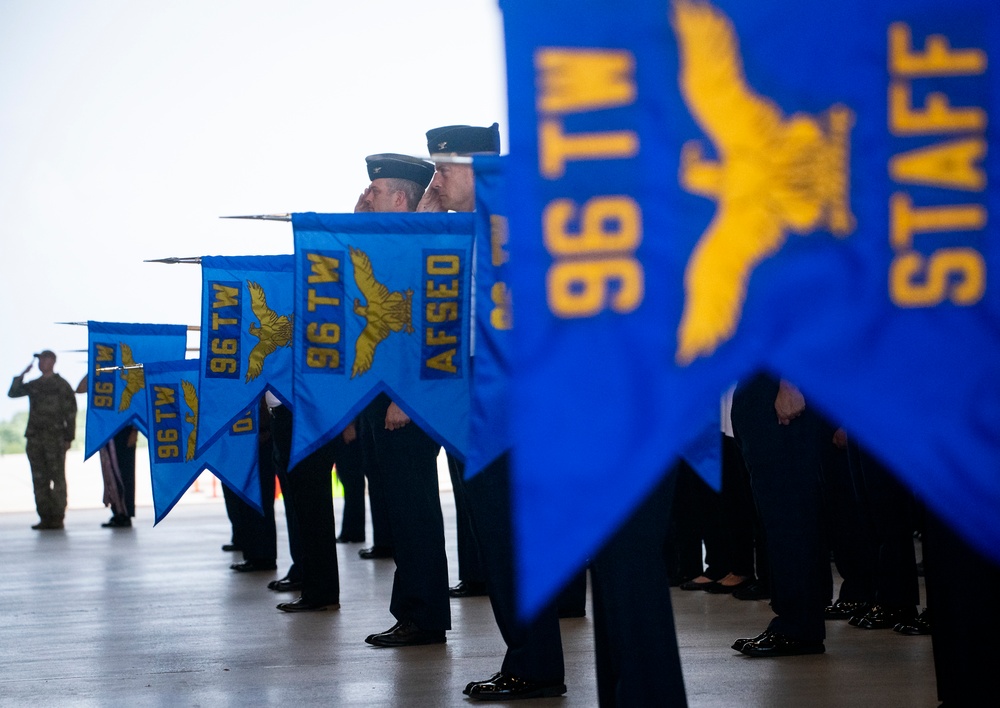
{"x":393,"y":166}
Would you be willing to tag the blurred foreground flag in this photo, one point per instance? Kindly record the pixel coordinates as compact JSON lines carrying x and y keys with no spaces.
{"x":246,"y":337}
{"x":172,"y":388}
{"x":702,"y":189}
{"x":490,"y":432}
{"x":118,"y":398}
{"x":490,"y":435}
{"x":381,"y":304}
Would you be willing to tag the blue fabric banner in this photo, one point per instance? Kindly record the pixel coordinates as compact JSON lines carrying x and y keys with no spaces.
{"x":247,"y":313}
{"x":174,"y":464}
{"x":381,"y":304}
{"x":118,"y":398}
{"x":490,"y":434}
{"x":704,"y":189}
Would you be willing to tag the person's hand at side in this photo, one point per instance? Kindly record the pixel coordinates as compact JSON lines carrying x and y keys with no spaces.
{"x":395,"y":418}
{"x":789,"y":403}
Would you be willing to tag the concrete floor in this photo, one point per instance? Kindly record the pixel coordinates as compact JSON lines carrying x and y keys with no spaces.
{"x":154,"y":617}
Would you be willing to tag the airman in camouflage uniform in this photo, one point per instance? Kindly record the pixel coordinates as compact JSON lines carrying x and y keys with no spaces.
{"x":51,"y":429}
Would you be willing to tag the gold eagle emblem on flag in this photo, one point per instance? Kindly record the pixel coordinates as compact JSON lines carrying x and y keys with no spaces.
{"x":191,"y":399}
{"x":274,"y":331}
{"x":773,"y":176}
{"x":384,"y":313}
{"x":135,"y":379}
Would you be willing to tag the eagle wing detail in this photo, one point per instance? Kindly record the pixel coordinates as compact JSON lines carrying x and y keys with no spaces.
{"x":364,"y":349}
{"x":373,"y":290}
{"x":191,"y":399}
{"x":717,"y":275}
{"x":255,"y":362}
{"x":135,"y":379}
{"x":258,"y":302}
{"x":712,"y":81}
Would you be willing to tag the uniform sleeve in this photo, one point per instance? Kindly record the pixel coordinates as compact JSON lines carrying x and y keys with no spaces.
{"x":69,"y":410}
{"x":17,"y":388}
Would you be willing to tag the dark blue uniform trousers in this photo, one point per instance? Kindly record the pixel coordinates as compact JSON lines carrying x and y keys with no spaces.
{"x":534,"y":649}
{"x":785,"y":474}
{"x":635,"y":642}
{"x":407,"y":462}
{"x":309,"y":488}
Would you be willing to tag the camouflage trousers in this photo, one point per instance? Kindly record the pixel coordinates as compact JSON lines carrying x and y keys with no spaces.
{"x":47,"y":457}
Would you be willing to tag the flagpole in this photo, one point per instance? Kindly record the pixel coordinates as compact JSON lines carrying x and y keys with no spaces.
{"x":190,"y":328}
{"x":84,"y":351}
{"x":262,"y":217}
{"x":127,"y":367}
{"x":196,"y":260}
{"x":448,"y":159}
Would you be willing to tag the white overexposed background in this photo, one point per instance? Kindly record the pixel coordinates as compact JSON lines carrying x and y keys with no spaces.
{"x":127,"y":127}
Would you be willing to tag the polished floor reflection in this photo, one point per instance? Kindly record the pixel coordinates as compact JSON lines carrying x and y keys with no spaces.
{"x":154,"y":617}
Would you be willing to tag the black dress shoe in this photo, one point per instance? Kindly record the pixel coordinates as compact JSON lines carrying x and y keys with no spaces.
{"x":118,"y":521}
{"x":350,"y":539}
{"x":918,"y":626}
{"x":375,"y":552}
{"x":469,"y":588}
{"x":740,"y":643}
{"x":287,"y":578}
{"x":844,"y":610}
{"x":230,"y":547}
{"x":285,"y":585}
{"x":370,"y":637}
{"x":880,"y":617}
{"x":757,"y":590}
{"x":406,"y":634}
{"x":775,"y":644}
{"x":303,"y":605}
{"x":468,"y":686}
{"x":249,"y":566}
{"x":511,"y":688}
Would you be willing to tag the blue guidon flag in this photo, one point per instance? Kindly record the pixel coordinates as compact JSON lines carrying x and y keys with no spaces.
{"x":702,"y":189}
{"x":490,"y":434}
{"x":247,"y":318}
{"x":490,"y":430}
{"x":174,"y":463}
{"x":381,"y":304}
{"x":117,"y":397}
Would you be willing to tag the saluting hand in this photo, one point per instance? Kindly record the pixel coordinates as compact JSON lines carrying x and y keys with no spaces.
{"x":350,"y":433}
{"x":27,"y":369}
{"x":431,"y":201}
{"x":362,"y":205}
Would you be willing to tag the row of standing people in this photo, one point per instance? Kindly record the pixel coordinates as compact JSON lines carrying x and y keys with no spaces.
{"x":777,"y":437}
{"x":796,"y":490}
{"x":400,"y":461}
{"x":868,"y":522}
